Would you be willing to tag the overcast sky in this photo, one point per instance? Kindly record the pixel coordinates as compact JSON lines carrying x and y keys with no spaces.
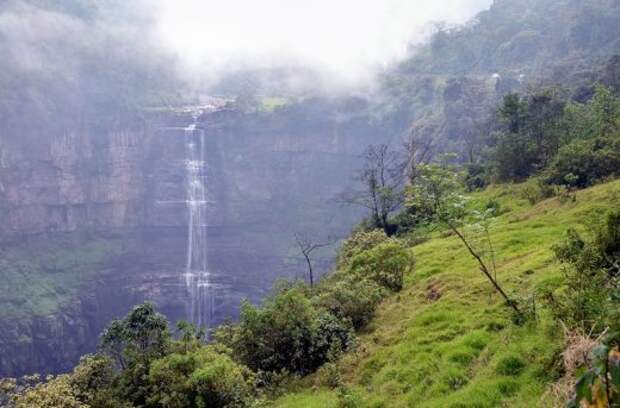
{"x":350,"y":37}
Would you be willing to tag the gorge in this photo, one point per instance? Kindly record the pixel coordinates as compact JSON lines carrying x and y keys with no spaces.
{"x":143,"y":201}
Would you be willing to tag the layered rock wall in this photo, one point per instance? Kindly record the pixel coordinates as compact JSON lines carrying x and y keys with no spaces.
{"x":269,"y":176}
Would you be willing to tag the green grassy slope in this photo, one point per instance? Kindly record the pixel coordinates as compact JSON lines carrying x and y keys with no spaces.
{"x":461,"y":350}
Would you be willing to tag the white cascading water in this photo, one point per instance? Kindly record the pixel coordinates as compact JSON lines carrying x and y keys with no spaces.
{"x":197,"y":276}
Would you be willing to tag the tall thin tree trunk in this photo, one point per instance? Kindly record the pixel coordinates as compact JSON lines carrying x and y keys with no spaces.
{"x":485,"y":270}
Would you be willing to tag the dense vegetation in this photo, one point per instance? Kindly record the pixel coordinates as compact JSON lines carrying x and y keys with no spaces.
{"x":564,"y":142}
{"x":449,"y":87}
{"x":296,"y":331}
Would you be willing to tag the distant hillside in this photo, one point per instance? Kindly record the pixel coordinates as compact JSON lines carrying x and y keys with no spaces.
{"x":449,"y":86}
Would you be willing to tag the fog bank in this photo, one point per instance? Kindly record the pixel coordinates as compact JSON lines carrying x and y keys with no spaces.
{"x":349,"y":38}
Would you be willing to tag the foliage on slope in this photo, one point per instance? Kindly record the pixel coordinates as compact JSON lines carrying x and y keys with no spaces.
{"x":447,"y":340}
{"x":448,"y":88}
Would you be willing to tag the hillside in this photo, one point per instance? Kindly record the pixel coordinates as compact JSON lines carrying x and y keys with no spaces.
{"x":446,"y":340}
{"x":448,"y":87}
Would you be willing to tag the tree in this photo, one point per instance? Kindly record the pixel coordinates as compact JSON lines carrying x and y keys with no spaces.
{"x":513,"y":112}
{"x":545,"y":111}
{"x":437,"y":195}
{"x":417,"y":151}
{"x":134,"y":343}
{"x":307,"y":246}
{"x":531,"y":133}
{"x":605,"y":106}
{"x":382,"y":181}
{"x":141,"y":335}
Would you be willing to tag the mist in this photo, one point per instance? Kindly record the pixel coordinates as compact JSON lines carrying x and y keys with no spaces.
{"x":348,"y":39}
{"x":68,"y":60}
{"x":116,"y":53}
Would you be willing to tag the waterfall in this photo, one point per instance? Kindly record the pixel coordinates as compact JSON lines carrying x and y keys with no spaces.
{"x":197,"y":276}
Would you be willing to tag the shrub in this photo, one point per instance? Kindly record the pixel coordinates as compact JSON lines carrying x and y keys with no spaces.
{"x":536,"y":190}
{"x":385,"y":264}
{"x":202,"y":378}
{"x":8,"y":387}
{"x":599,"y":386}
{"x":358,"y":242}
{"x":329,"y":376}
{"x":590,"y":268}
{"x":92,"y":381}
{"x":581,"y":300}
{"x":287,"y":334}
{"x":334,"y":336}
{"x":585,"y":162}
{"x":352,"y":299}
{"x":614,"y":311}
{"x":607,"y":240}
{"x":476,"y":176}
{"x":56,"y":393}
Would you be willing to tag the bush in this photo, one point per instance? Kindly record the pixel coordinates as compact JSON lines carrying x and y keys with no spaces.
{"x":358,"y":242}
{"x":287,"y":334}
{"x":607,"y":240}
{"x":536,"y":190}
{"x":203,"y":378}
{"x":92,"y":381}
{"x":385,"y":264}
{"x":329,"y":376}
{"x":581,"y":300}
{"x":477,"y":176}
{"x":351,"y":299}
{"x":56,"y":393}
{"x":590,"y":268}
{"x":613,"y":320}
{"x":585,"y":162}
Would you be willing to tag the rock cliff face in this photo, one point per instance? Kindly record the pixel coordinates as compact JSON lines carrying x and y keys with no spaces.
{"x":70,"y":181}
{"x":268,"y":176}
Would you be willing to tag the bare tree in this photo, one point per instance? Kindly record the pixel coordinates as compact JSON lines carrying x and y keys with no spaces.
{"x":307,"y":246}
{"x":381,"y":179}
{"x":417,"y":151}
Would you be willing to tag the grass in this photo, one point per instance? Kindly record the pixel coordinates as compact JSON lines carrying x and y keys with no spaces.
{"x":462,"y":350}
{"x":42,"y":278}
